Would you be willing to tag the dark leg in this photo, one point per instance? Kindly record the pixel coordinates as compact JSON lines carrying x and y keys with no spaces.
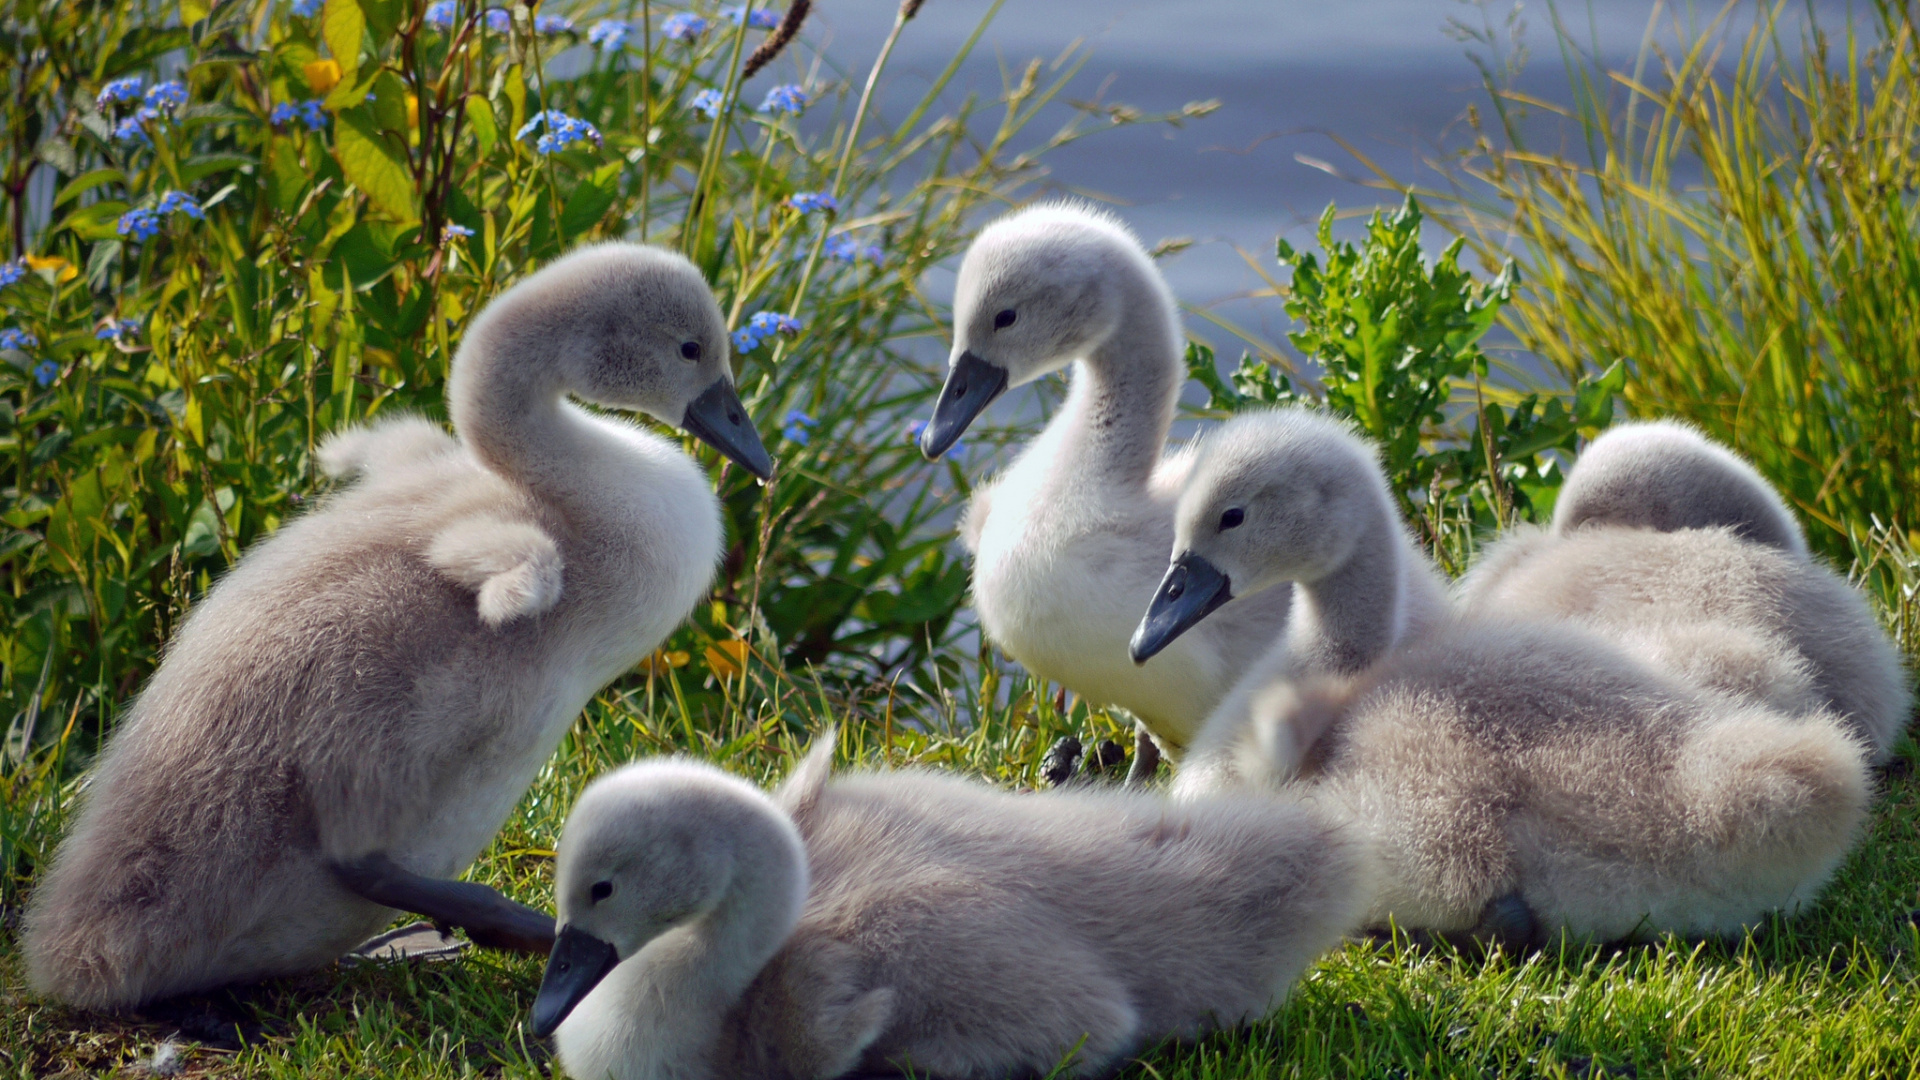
{"x":1146,"y":759}
{"x":488,"y":918}
{"x":1509,"y":921}
{"x":1062,"y":759}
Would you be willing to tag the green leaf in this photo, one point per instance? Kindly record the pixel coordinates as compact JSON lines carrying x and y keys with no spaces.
{"x":369,"y":161}
{"x":97,"y":222}
{"x":383,"y":19}
{"x":585,"y":207}
{"x":205,"y":165}
{"x":389,"y":104}
{"x":193,"y":11}
{"x":343,"y":25}
{"x":87,"y":181}
{"x":480,"y":119}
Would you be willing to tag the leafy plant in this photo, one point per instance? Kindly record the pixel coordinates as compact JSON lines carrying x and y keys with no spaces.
{"x":1396,"y":338}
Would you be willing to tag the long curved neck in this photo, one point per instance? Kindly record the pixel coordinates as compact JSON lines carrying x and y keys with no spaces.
{"x":1345,"y":621}
{"x":508,"y":402}
{"x":1120,"y":408}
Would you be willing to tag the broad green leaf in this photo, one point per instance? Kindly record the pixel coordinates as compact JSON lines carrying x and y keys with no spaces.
{"x":87,"y":181}
{"x":193,"y":11}
{"x":343,"y":25}
{"x":480,"y":119}
{"x":97,"y":222}
{"x":368,"y":160}
{"x":389,"y":104}
{"x":383,"y":18}
{"x":585,"y":207}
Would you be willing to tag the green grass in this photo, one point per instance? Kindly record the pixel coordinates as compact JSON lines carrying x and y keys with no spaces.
{"x":1830,"y":993}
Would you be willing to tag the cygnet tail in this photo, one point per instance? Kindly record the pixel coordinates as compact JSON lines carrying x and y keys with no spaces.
{"x":800,"y":792}
{"x":1775,"y":804}
{"x":393,"y":441}
{"x":1288,"y":720}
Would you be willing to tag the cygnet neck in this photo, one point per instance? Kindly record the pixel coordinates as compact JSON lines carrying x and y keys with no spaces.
{"x":1115,"y":422}
{"x":723,"y":950}
{"x":1343,"y":622}
{"x":507,"y":397}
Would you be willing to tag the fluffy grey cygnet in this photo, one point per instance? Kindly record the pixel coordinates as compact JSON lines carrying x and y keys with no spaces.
{"x":1278,"y":497}
{"x":1523,"y":779}
{"x":349,"y":715}
{"x":1681,"y":553}
{"x":1518,"y":779}
{"x":882,"y":921}
{"x":1069,"y":541}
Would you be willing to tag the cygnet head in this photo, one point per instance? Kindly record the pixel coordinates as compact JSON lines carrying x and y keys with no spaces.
{"x":1038,"y":289}
{"x":1273,"y":496}
{"x":653,"y":846}
{"x":1665,"y":475}
{"x":623,"y":325}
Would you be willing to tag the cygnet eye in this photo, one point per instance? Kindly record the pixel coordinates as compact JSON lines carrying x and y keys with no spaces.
{"x":690,"y":350}
{"x":1004,"y":319}
{"x":603,"y":889}
{"x":1232,"y":519}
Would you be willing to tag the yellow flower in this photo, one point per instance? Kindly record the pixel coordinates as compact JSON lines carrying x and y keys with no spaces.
{"x":662,"y":660}
{"x":728,"y":658}
{"x":62,"y":269}
{"x":323,"y":75}
{"x":413,"y":110}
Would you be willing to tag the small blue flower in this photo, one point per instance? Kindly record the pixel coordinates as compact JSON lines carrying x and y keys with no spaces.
{"x":140,"y":223}
{"x":761,"y":326}
{"x":683,"y":26}
{"x":120,"y":90}
{"x":846,"y":249}
{"x":762,"y":17}
{"x":562,"y":131}
{"x":499,"y":20}
{"x":11,"y":272}
{"x":307,"y":9}
{"x":440,"y":14}
{"x":167,"y":96}
{"x":454,"y":232}
{"x":809,"y":201}
{"x":552,"y":24}
{"x":609,"y":34}
{"x":14,"y":338}
{"x":118,"y":330}
{"x":311,"y":112}
{"x":786,"y":98}
{"x":796,"y":427}
{"x":131,"y":130}
{"x":179,"y":202}
{"x":708,"y":102}
{"x":45,"y":372}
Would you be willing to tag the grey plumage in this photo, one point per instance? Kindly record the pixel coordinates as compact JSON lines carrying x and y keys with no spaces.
{"x":1681,"y":553}
{"x":1517,"y":777}
{"x":1070,"y":539}
{"x":386,"y":674}
{"x":880,"y":919}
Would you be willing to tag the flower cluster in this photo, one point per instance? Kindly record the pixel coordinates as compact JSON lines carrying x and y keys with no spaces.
{"x":167,"y":96}
{"x":119,"y":90}
{"x":453,"y":232}
{"x":609,"y":34}
{"x":552,"y":24}
{"x":12,"y":338}
{"x":118,"y":330}
{"x":796,"y":427}
{"x":562,"y":131}
{"x":499,"y":20}
{"x":684,"y":26}
{"x":808,"y":201}
{"x":309,"y":112}
{"x":708,"y":102}
{"x":307,"y":9}
{"x":440,"y":14}
{"x":11,"y":272}
{"x":762,"y":326}
{"x":846,"y":249}
{"x":786,"y":98}
{"x":763,"y":17}
{"x":159,"y":101}
{"x":143,"y":223}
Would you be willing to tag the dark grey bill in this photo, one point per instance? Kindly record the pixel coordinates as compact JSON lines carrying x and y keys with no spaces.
{"x":971,"y":387}
{"x":718,"y":419}
{"x":1192,"y":589}
{"x":577,"y":964}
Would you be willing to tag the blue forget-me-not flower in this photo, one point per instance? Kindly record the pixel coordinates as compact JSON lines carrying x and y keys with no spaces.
{"x":307,"y":9}
{"x":761,"y":326}
{"x":683,"y":26}
{"x":15,"y":338}
{"x":440,"y":14}
{"x":786,"y":98}
{"x":562,"y":131}
{"x":551,"y":24}
{"x":796,"y":427}
{"x":708,"y":102}
{"x":609,"y":34}
{"x":762,"y":17}
{"x":809,"y":201}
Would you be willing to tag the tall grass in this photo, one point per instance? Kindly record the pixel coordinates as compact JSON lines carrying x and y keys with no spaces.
{"x":1738,"y":219}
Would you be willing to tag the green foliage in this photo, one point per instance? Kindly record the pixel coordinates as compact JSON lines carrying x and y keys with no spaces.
{"x":1744,"y":234}
{"x":371,"y":177}
{"x":1397,"y":341}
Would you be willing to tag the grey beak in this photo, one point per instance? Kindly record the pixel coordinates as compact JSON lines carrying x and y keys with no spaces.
{"x":577,"y":964}
{"x":1192,"y":589}
{"x":718,"y":419}
{"x":971,"y":387}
